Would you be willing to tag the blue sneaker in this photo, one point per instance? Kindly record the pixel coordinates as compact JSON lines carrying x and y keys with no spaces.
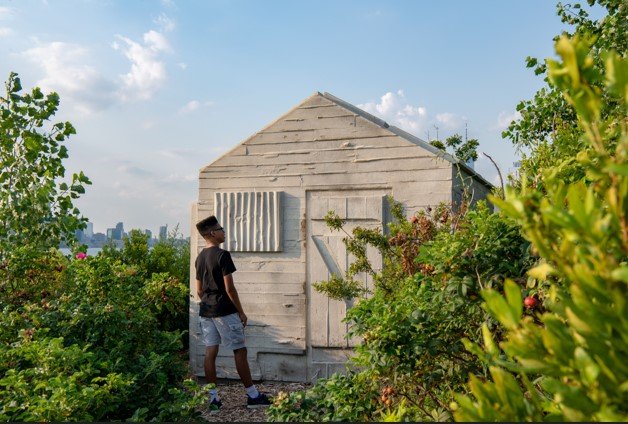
{"x":261,"y":401}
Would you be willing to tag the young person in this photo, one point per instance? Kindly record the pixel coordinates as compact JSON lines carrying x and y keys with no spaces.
{"x":221,"y":315}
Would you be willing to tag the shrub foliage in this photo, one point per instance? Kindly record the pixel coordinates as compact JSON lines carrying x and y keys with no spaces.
{"x":81,"y":338}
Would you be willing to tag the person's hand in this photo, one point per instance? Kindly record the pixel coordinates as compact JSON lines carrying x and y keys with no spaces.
{"x":243,"y":318}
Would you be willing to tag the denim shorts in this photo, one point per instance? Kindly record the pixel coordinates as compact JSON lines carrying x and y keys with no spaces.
{"x":228,"y":329}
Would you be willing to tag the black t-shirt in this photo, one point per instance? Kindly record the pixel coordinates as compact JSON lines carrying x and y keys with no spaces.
{"x":211,"y":265}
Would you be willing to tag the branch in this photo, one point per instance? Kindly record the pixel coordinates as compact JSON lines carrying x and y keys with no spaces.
{"x":501,"y":180}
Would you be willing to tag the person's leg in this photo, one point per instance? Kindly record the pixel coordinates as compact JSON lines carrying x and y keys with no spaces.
{"x":242,"y":366}
{"x":211,"y":339}
{"x":232,"y":334}
{"x":211,"y":353}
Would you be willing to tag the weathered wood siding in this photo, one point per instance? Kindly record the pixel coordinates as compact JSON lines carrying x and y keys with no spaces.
{"x":318,"y":145}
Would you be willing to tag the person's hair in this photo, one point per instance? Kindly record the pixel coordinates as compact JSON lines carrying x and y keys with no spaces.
{"x":207,"y":225}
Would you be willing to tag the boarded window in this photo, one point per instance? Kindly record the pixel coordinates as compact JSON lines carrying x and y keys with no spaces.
{"x":252,"y":220}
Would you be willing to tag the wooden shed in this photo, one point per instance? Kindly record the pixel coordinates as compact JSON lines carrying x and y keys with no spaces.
{"x":271,"y":193}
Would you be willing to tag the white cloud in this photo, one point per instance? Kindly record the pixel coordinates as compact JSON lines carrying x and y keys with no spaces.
{"x":182,"y":65}
{"x":450,"y":120}
{"x":504,"y":119}
{"x":65,"y":72}
{"x":179,"y":178}
{"x":148,"y":71}
{"x":5,"y":12}
{"x":192,"y":106}
{"x":395,"y":109}
{"x":164,"y":22}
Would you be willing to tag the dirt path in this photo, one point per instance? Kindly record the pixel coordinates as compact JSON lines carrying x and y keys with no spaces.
{"x":233,"y":399}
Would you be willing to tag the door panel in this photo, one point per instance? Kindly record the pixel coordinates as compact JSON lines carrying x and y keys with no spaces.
{"x":327,"y":256}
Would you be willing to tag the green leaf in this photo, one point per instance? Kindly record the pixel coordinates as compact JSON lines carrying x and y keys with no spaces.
{"x":540,"y":272}
{"x":620,"y":274}
{"x":587,"y":367}
{"x":500,"y":309}
{"x":514,"y":298}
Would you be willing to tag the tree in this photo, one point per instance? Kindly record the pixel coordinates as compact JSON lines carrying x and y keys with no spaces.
{"x":36,"y":208}
{"x":548,"y":129}
{"x":462,"y":150}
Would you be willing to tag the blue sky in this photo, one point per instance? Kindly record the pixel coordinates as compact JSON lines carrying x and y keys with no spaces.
{"x":158,"y":89}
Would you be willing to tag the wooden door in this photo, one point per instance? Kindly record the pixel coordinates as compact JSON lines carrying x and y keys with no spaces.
{"x":327,"y":255}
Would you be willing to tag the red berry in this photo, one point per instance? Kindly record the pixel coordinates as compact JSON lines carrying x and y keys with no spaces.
{"x":530,"y":302}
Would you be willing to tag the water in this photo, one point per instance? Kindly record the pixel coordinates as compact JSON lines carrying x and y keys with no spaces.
{"x":91,"y":251}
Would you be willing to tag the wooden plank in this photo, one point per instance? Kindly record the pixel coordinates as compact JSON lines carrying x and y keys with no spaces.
{"x":276,"y":331}
{"x":245,"y":264}
{"x":281,"y":144}
{"x":366,"y":178}
{"x":273,"y":314}
{"x":318,"y":136}
{"x":308,"y":120}
{"x":337,"y":309}
{"x":269,"y":277}
{"x":276,"y":367}
{"x":318,"y":271}
{"x":278,"y":288}
{"x":314,"y":154}
{"x":309,"y":111}
{"x":424,"y":193}
{"x":323,"y":133}
{"x":207,"y":186}
{"x":336,"y":177}
{"x":331,"y":166}
{"x":262,"y":342}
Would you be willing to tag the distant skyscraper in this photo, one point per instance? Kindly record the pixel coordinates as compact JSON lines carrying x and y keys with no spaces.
{"x":149,"y":233}
{"x":88,"y":232}
{"x":110,"y":232}
{"x":163,"y":232}
{"x":119,"y":231}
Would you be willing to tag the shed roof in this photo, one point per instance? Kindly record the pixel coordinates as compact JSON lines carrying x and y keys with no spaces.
{"x":383,"y":124}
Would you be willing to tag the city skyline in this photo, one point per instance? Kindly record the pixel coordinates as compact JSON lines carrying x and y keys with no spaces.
{"x":154,"y":233}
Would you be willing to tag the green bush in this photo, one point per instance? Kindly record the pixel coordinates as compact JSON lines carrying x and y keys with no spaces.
{"x":348,"y":398}
{"x":426,"y":301}
{"x":95,"y":325}
{"x":568,"y":363}
{"x":81,"y":338}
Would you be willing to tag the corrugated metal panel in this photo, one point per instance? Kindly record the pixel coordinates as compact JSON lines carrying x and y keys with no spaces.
{"x":251,"y":219}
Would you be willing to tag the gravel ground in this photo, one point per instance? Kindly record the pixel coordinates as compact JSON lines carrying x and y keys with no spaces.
{"x":233,"y":399}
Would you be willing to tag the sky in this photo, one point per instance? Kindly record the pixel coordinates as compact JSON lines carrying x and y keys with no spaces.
{"x":159,"y":89}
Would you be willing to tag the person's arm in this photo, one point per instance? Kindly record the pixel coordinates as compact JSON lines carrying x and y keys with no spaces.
{"x":233,"y":295}
{"x":199,"y":289}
